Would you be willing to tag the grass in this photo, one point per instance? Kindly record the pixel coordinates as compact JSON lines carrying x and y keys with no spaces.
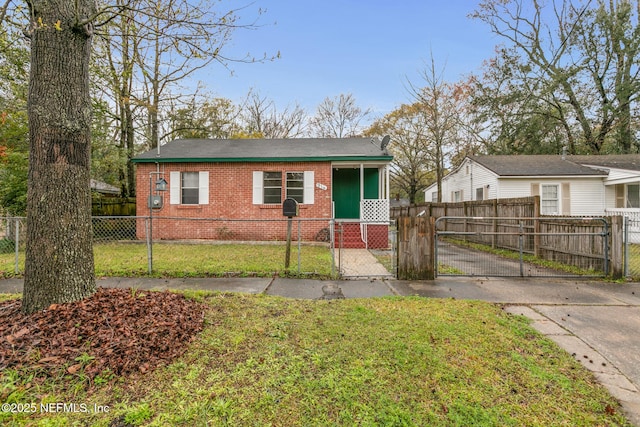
{"x":448,"y":270}
{"x":6,"y":246}
{"x":634,"y":261}
{"x":265,"y":360}
{"x":201,"y":260}
{"x":385,"y":258}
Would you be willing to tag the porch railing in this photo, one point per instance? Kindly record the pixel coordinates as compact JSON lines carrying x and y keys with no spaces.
{"x":374,"y":210}
{"x":632,"y":224}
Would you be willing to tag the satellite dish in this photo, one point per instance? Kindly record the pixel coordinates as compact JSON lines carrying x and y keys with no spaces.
{"x":385,"y":142}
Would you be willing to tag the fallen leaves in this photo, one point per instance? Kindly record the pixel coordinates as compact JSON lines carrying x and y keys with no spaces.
{"x":114,"y":330}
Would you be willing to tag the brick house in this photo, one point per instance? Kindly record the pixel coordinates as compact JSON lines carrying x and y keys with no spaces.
{"x":247,"y":180}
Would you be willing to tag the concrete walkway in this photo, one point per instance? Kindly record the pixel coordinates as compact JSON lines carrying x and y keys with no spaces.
{"x":354,"y":263}
{"x":596,"y":322}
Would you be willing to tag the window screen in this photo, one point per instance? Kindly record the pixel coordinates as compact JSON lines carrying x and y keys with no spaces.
{"x":272,"y":187}
{"x":549,"y":199}
{"x":633,"y":196}
{"x":295,"y":186}
{"x":190,"y":188}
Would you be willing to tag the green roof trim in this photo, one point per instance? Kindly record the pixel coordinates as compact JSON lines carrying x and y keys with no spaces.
{"x":260,"y":159}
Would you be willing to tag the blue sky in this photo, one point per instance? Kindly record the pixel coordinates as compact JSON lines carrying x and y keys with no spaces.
{"x":369,"y":48}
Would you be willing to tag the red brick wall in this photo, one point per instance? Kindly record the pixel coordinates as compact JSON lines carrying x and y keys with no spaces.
{"x":231,"y":197}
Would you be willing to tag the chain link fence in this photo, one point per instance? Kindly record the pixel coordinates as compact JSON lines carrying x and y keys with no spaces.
{"x":632,"y":246}
{"x":551,"y":246}
{"x":12,"y":244}
{"x":365,"y":249}
{"x":135,"y":245}
{"x":180,"y":247}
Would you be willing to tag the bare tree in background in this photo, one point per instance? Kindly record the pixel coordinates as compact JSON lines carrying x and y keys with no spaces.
{"x":146,"y":53}
{"x":439,"y":108}
{"x":204,"y":117}
{"x":412,"y":168}
{"x":261,"y":119}
{"x":338,"y":117}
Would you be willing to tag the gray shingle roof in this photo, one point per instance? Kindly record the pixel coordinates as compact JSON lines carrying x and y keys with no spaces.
{"x":536,"y":165}
{"x":260,"y":150}
{"x":618,"y":161}
{"x":103,"y":187}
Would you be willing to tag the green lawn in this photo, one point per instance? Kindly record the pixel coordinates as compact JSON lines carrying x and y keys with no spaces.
{"x":633,"y":262}
{"x":269,"y":361}
{"x":202,"y":260}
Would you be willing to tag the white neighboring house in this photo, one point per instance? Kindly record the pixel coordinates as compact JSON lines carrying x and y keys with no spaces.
{"x":567,"y":185}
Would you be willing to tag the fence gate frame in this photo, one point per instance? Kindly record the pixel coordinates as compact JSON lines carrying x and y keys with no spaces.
{"x":527,"y":232}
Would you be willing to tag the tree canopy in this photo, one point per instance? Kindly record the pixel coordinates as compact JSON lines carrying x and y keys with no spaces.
{"x":566,"y":75}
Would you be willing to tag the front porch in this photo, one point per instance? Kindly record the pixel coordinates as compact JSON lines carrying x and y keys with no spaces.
{"x":361,"y":205}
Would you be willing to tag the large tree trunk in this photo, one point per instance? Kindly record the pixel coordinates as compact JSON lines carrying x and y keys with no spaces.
{"x":59,"y":256}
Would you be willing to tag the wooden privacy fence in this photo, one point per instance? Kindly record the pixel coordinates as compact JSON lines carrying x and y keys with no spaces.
{"x":514,"y":224}
{"x":113,"y":206}
{"x":592,"y":244}
{"x":514,"y":207}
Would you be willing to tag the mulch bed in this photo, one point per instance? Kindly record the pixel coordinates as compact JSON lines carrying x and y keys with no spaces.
{"x":116,"y":330}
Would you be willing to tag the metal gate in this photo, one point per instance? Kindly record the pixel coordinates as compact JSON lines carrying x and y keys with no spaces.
{"x":522,"y":247}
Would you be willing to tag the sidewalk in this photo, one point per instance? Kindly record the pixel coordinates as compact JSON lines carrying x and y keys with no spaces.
{"x":596,"y":322}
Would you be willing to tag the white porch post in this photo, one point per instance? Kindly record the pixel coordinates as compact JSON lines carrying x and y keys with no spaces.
{"x":387,"y":188}
{"x":361,"y":181}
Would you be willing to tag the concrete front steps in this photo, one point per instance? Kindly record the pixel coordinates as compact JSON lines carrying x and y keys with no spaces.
{"x":349,"y":235}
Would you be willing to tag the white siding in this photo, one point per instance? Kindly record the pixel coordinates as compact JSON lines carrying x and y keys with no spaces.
{"x":466,"y":178}
{"x":587,"y":194}
{"x":610,"y":196}
{"x":622,"y":175}
{"x":429,"y":193}
{"x":460,"y":180}
{"x":483,"y":178}
{"x":588,"y":197}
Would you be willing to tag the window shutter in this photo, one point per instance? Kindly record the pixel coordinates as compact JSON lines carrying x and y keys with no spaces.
{"x":535,"y":189}
{"x":203,"y":190}
{"x":174,"y":188}
{"x":620,"y":196}
{"x":309,"y":186}
{"x":257,"y":187}
{"x":566,"y":198}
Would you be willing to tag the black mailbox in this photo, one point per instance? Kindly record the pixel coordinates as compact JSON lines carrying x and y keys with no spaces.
{"x":290,"y":207}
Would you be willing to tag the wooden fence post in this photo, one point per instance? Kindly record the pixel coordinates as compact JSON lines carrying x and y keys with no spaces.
{"x":536,"y":226}
{"x":616,"y":249}
{"x":416,"y":248}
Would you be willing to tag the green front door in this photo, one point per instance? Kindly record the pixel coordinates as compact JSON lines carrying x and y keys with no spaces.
{"x":346,"y":193}
{"x":346,"y":190}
